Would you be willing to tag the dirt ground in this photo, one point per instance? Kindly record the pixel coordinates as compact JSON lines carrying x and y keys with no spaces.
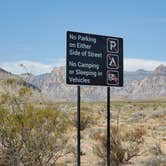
{"x":147,"y":115}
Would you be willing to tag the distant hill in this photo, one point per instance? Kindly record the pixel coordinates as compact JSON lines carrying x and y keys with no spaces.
{"x":138,"y":85}
{"x":152,"y":86}
{"x":12,"y":84}
{"x":5,"y":74}
{"x":54,"y":85}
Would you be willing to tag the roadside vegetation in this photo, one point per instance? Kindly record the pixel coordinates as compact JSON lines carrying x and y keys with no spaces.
{"x":30,"y":135}
{"x":44,"y":133}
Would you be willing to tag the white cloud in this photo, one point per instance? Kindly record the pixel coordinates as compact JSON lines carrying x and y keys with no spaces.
{"x":25,"y":66}
{"x":130,"y":64}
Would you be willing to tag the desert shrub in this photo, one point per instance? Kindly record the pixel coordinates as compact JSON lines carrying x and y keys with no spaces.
{"x":29,"y":135}
{"x":24,"y":91}
{"x":117,"y":151}
{"x":10,"y":81}
{"x":134,"y":135}
{"x":4,"y":98}
{"x":86,"y":120}
{"x":34,"y":137}
{"x":155,"y":149}
{"x":124,"y":145}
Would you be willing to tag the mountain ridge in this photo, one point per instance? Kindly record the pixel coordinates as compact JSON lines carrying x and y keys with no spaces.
{"x":138,"y":85}
{"x":54,"y":85}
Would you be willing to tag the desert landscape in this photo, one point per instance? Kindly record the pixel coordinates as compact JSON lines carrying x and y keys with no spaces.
{"x":82,"y":83}
{"x":40,"y":131}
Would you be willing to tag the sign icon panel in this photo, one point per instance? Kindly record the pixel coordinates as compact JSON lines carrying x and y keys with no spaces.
{"x":112,"y":61}
{"x":112,"y":77}
{"x":112,"y":45}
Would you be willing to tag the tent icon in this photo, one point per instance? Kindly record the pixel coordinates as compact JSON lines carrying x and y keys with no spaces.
{"x":112,"y":61}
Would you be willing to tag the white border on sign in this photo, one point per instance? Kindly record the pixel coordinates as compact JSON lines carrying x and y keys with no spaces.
{"x":117,"y":46}
{"x":117,"y":62}
{"x":117,"y":75}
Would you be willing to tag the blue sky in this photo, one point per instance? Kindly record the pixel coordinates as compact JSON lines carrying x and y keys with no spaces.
{"x":33,"y":32}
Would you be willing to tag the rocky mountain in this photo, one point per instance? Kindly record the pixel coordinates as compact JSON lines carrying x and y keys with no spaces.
{"x":160,"y":70}
{"x":4,"y":74}
{"x":152,"y":86}
{"x":54,"y":85}
{"x":138,"y":85}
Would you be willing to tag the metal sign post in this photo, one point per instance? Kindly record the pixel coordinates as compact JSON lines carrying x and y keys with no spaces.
{"x":78,"y":127}
{"x":108,"y":126}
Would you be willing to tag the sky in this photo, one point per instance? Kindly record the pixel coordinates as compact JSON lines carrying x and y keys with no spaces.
{"x":33,"y":32}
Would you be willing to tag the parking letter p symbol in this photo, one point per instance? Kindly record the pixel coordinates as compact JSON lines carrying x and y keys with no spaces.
{"x":112,"y":45}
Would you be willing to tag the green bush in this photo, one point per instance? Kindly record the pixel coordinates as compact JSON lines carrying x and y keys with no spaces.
{"x":34,"y":137}
{"x":30,"y":135}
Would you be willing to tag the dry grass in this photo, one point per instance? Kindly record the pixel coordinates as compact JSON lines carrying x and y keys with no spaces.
{"x":132,"y":143}
{"x":138,"y":132}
